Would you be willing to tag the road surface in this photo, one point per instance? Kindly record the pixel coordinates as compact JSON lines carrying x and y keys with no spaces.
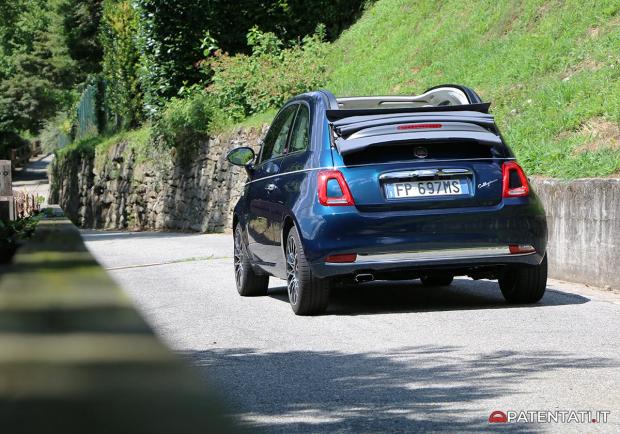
{"x":386,"y":357}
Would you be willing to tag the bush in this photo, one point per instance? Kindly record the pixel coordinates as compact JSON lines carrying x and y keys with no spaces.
{"x":56,"y":133}
{"x":186,"y":122}
{"x":244,"y":85}
{"x":171,"y":30}
{"x":13,"y":233}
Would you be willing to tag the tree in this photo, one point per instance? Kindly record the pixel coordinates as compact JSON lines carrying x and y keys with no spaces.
{"x":36,"y":73}
{"x":121,"y":62}
{"x":81,"y":30}
{"x":170,"y":42}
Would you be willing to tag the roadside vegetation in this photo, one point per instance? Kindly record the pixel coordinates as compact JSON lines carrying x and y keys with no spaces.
{"x":163,"y":75}
{"x":551,"y":70}
{"x":15,"y":232}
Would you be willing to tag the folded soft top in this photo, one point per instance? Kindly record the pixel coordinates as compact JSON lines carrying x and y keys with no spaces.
{"x":356,"y":133}
{"x":441,"y":114}
{"x":347,"y":126}
{"x":336,"y":114}
{"x":358,"y":144}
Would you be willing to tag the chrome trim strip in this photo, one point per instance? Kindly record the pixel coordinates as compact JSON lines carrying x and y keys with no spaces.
{"x":453,"y":171}
{"x":376,"y":164}
{"x":288,"y":173}
{"x":426,"y":161}
{"x":435,"y":255}
{"x":424,"y":173}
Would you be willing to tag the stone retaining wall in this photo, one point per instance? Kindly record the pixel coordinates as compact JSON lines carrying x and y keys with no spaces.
{"x":123,"y":193}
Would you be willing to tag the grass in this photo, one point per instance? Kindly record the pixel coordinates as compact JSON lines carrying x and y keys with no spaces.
{"x":138,"y":141}
{"x":258,"y":120}
{"x":548,"y":67}
{"x":135,"y":139}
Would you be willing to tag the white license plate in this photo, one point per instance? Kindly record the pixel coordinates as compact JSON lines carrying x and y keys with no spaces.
{"x":447,"y":187}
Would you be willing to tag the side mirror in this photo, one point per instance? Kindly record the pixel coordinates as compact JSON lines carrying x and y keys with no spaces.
{"x":241,"y":156}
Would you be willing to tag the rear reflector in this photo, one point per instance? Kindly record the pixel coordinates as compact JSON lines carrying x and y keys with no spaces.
{"x":417,"y":126}
{"x":328,"y":198}
{"x":521,"y":248}
{"x":514,"y":180}
{"x":342,"y":258}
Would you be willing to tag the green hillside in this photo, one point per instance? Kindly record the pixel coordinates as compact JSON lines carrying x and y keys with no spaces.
{"x":550,"y":68}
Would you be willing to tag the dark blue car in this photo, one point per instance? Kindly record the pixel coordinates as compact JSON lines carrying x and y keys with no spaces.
{"x":377,"y":188}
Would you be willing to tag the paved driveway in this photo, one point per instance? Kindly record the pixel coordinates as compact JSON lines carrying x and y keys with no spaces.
{"x":386,"y":357}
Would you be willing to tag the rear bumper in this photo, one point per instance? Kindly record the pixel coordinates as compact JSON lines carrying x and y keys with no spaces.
{"x":410,"y":262}
{"x":429,"y":239}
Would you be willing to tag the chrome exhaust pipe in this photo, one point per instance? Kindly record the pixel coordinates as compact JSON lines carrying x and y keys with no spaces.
{"x":364,"y":277}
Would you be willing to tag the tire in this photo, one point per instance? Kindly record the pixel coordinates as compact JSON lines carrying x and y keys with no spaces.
{"x":307,"y":294}
{"x":437,"y":280}
{"x":249,"y":284}
{"x":524,"y":285}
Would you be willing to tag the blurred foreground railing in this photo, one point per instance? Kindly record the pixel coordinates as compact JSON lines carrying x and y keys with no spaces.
{"x":76,"y":357}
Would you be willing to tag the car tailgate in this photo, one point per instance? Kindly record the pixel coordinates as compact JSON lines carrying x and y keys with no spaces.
{"x":422,"y":165}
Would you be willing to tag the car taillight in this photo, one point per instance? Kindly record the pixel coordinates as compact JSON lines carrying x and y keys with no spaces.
{"x":417,"y":126}
{"x":514,"y":180}
{"x":334,"y":197}
{"x":521,"y":248}
{"x":342,"y":258}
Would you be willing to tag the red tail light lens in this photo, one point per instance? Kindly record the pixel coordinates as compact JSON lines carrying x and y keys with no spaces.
{"x":514,"y":180}
{"x":417,"y":126}
{"x":521,"y":248}
{"x":342,"y":259}
{"x":330,"y":199}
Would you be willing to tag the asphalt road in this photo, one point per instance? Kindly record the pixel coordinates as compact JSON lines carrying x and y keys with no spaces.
{"x":386,"y":357}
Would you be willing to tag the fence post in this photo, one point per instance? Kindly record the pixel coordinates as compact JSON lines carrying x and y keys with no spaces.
{"x":6,"y":191}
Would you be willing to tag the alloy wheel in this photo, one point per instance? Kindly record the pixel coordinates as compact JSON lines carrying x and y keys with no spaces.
{"x":292,"y":271}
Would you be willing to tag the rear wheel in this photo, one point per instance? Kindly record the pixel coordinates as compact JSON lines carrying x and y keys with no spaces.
{"x":524,"y":285}
{"x":248,"y":282}
{"x":307,"y":294}
{"x":437,"y":279}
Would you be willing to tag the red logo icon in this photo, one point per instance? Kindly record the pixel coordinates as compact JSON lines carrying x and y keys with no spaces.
{"x":498,"y":417}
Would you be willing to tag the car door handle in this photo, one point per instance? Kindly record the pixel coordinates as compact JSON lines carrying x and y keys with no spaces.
{"x":271,"y":187}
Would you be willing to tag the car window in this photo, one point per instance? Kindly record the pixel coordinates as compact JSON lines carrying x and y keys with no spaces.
{"x":300,"y":136}
{"x":275,"y":141}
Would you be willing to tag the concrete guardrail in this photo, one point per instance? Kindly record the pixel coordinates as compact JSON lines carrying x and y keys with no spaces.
{"x":584,"y":229}
{"x":76,"y":357}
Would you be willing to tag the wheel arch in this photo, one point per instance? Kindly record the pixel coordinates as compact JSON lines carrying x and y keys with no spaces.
{"x":235,"y":221}
{"x":288,"y":223}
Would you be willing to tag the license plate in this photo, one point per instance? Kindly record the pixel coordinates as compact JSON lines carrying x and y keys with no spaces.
{"x":447,"y":187}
